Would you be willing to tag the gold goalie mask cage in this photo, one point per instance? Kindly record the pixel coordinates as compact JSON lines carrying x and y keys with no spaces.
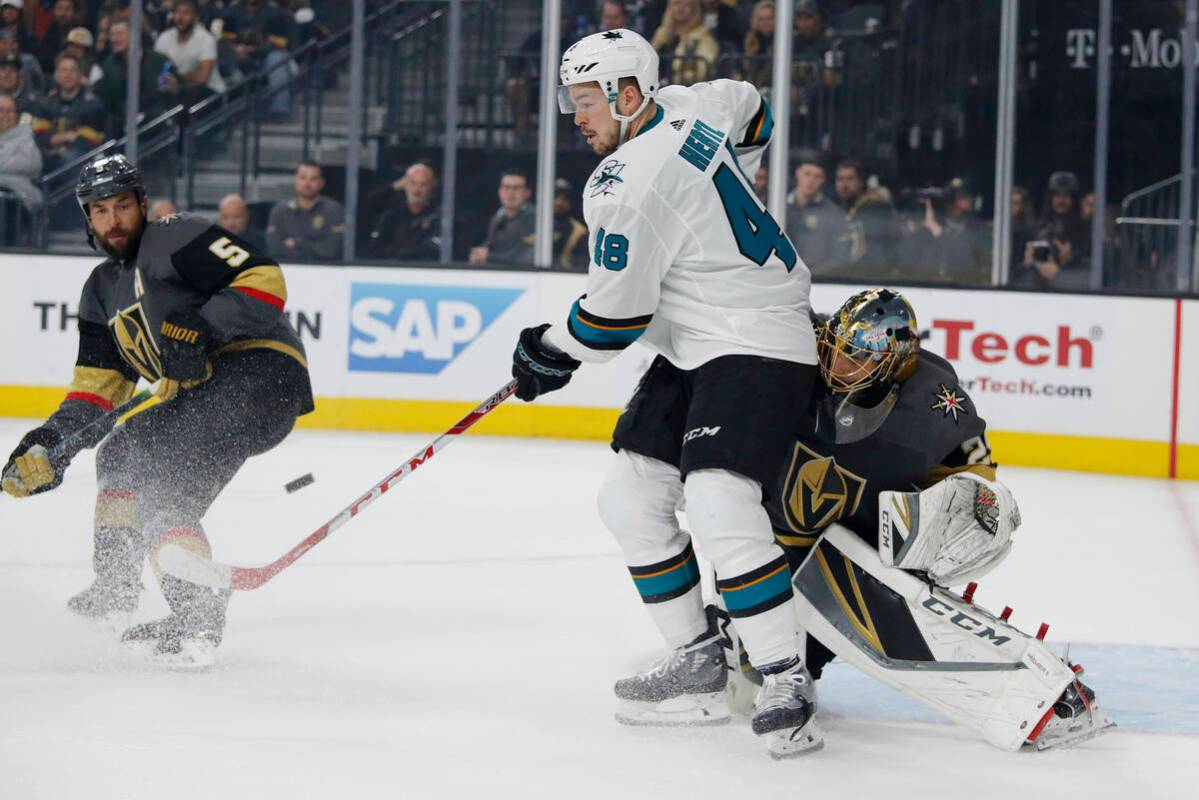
{"x":871,"y":340}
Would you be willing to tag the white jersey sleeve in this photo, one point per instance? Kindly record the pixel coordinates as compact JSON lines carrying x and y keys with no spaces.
{"x":685,"y":258}
{"x":633,"y":243}
{"x":753,"y":122}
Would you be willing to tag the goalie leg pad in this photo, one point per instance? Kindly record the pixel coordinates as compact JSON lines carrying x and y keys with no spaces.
{"x":929,"y":644}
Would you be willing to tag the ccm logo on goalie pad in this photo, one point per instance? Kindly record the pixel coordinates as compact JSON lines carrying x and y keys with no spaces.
{"x":965,"y":621}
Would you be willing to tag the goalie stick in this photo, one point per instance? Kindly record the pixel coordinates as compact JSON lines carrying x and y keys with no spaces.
{"x":192,"y":567}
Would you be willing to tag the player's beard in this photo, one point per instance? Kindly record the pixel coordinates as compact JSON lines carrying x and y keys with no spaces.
{"x":126,"y":250}
{"x":603,"y":143}
{"x":604,"y":146}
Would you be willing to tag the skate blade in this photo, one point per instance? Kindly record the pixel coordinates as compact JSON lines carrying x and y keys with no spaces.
{"x":795,"y":742}
{"x":1072,"y":734}
{"x":193,"y":655}
{"x":115,"y":622}
{"x":687,"y":710}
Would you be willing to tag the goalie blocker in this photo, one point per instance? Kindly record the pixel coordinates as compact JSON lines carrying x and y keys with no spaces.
{"x":937,"y":648}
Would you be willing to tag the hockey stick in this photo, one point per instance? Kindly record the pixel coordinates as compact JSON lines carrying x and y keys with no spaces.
{"x":112,"y":416}
{"x":192,"y":567}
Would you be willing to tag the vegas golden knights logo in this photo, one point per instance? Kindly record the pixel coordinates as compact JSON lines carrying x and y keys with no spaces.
{"x":132,"y":332}
{"x":819,"y":491}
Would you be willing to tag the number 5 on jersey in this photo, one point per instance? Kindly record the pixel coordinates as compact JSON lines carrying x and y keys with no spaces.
{"x":228,"y":252}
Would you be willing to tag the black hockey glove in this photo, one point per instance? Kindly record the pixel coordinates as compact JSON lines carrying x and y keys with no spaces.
{"x":536,"y":369}
{"x":184,"y":345}
{"x":34,"y":467}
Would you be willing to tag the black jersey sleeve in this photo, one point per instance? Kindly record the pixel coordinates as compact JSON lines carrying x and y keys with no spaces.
{"x":956,"y":432}
{"x":102,"y":380}
{"x":246,"y":289}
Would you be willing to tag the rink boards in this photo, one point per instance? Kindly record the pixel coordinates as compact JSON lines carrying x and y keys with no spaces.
{"x":1085,"y":382}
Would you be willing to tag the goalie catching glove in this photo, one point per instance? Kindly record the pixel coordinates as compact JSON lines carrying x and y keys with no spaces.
{"x":34,"y":467}
{"x":955,"y":531}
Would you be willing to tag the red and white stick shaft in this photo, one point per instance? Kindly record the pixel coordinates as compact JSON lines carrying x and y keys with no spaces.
{"x":194,"y":568}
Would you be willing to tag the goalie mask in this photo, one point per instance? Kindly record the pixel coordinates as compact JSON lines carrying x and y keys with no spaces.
{"x":605,"y":58}
{"x":870,"y":341}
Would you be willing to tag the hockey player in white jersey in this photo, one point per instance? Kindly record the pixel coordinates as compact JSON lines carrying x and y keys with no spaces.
{"x":686,"y":260}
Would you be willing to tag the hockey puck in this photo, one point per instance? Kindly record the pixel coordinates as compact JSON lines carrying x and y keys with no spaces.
{"x":299,"y":483}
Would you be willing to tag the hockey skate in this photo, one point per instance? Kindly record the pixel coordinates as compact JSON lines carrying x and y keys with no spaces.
{"x":189,"y":636}
{"x":113,"y":596}
{"x":786,"y":713}
{"x":1074,"y":718}
{"x":107,"y":602}
{"x":685,"y":688}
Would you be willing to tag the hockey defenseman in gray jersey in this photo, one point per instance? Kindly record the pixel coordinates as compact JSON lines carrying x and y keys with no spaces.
{"x":194,"y":308}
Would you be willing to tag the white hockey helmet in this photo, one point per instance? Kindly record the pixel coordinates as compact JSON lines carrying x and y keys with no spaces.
{"x":605,"y":58}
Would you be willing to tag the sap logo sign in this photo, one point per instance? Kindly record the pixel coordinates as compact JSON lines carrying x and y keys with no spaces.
{"x":408,"y":328}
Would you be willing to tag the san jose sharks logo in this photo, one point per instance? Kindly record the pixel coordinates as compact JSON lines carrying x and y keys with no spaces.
{"x":949,"y":402}
{"x":605,"y":181}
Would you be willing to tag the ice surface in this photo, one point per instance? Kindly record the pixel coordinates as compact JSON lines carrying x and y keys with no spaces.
{"x":460,"y":639}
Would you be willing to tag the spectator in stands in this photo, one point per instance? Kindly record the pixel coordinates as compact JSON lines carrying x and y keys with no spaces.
{"x":31,"y":70}
{"x":688,"y":49}
{"x":264,"y":34}
{"x":66,"y":16}
{"x":103,"y":34}
{"x":1086,"y":209}
{"x":870,"y":217}
{"x":311,"y":25}
{"x":1059,"y":255}
{"x":721,"y":20}
{"x":612,"y":16}
{"x":1024,"y":226}
{"x":524,"y":70}
{"x":310,"y":226}
{"x":71,"y":120}
{"x":192,"y":50}
{"x":410,"y":230}
{"x":158,"y":85}
{"x":209,"y":12}
{"x":570,"y":235}
{"x":234,"y":216}
{"x":15,"y":86}
{"x":20,"y":160}
{"x":956,"y":248}
{"x":815,"y":225}
{"x":759,"y":46}
{"x":80,"y":43}
{"x":643,"y":16}
{"x":510,"y":234}
{"x":810,"y":43}
{"x":762,"y":183}
{"x":12,"y":18}
{"x":162,"y":207}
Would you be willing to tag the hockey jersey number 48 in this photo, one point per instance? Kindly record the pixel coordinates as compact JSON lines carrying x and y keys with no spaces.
{"x":685,"y":258}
